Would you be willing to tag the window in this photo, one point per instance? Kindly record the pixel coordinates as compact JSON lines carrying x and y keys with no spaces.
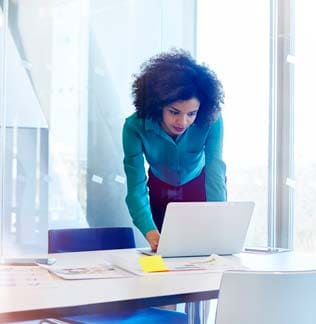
{"x":305,"y":156}
{"x":233,"y":38}
{"x":65,"y":74}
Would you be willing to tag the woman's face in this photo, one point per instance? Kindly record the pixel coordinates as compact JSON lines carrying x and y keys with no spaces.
{"x":179,"y":115}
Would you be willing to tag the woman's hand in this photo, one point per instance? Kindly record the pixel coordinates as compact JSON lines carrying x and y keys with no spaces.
{"x":153,"y":239}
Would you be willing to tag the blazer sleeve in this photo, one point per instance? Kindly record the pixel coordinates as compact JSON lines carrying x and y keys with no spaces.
{"x":137,"y":198}
{"x":215,"y":168}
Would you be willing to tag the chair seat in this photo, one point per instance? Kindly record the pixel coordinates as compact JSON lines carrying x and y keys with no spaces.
{"x":150,"y":315}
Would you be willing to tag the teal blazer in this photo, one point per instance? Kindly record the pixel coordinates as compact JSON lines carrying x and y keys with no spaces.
{"x":175,"y":162}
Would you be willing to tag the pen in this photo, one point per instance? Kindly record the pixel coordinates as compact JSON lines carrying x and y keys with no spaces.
{"x":188,"y":266}
{"x":185,"y":269}
{"x":208,"y":260}
{"x":262,"y":249}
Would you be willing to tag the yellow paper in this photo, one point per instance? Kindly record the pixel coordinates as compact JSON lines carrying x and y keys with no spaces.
{"x":152,"y":263}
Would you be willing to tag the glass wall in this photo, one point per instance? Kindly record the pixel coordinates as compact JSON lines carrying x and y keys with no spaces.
{"x":66,"y":71}
{"x":233,"y":37}
{"x":305,"y":131}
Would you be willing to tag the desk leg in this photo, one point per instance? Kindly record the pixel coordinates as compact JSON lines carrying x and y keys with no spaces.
{"x":198,"y":312}
{"x":190,"y":310}
{"x":204,"y":310}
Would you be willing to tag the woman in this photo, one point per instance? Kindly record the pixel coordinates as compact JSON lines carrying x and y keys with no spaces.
{"x":178,"y":128}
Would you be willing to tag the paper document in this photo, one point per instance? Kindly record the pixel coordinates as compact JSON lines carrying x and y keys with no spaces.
{"x":25,"y":276}
{"x":213,"y":263}
{"x":88,"y":272}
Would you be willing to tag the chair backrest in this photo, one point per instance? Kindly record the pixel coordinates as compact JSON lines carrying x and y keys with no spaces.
{"x":248,"y":297}
{"x":90,"y":239}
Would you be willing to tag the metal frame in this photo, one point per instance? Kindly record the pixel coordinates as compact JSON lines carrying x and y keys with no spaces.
{"x":281,"y":133}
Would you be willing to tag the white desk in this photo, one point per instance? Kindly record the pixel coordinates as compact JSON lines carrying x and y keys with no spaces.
{"x":67,"y":297}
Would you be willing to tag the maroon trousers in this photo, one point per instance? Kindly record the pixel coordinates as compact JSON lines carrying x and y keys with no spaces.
{"x":161,"y":193}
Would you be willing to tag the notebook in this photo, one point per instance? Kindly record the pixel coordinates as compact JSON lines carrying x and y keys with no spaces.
{"x":204,"y":228}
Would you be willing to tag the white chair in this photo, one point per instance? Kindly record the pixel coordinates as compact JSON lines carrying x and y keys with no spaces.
{"x":251,"y":297}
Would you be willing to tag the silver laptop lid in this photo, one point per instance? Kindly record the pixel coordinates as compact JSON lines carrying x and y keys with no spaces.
{"x":203,"y":228}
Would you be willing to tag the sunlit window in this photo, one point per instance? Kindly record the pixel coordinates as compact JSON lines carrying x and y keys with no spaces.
{"x":305,"y":131}
{"x":233,"y":38}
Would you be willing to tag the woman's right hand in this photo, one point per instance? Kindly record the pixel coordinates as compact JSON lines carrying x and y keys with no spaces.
{"x":153,"y":239}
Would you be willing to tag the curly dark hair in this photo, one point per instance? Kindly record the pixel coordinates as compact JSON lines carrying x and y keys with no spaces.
{"x":175,"y":76}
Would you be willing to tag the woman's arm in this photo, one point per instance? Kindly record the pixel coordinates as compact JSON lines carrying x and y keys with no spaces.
{"x":137,"y":199}
{"x":215,"y":168}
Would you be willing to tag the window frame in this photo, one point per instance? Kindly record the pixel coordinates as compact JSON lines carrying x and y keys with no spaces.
{"x":281,"y":133}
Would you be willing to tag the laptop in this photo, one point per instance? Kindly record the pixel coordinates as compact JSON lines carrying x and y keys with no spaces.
{"x":204,"y":228}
